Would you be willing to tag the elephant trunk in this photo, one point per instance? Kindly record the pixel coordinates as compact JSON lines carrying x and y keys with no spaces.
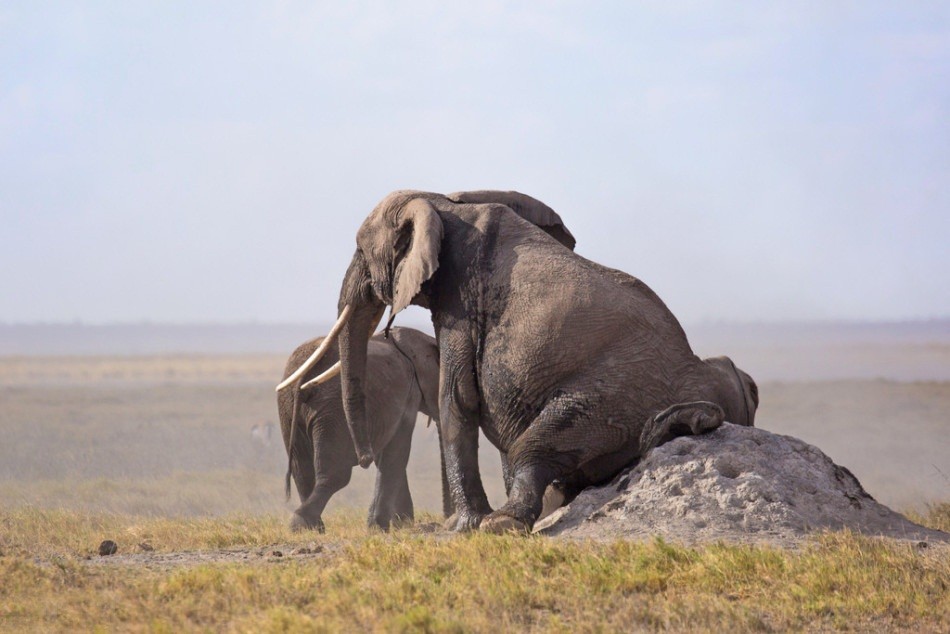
{"x":354,"y":338}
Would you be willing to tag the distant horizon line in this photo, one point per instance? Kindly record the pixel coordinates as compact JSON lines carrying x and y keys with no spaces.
{"x":296,"y":324}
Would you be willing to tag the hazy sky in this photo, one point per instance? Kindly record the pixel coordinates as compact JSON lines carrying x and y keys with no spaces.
{"x":212,"y":161}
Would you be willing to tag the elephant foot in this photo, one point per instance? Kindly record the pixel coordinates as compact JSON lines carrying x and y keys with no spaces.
{"x":499,"y":523}
{"x":298,"y":524}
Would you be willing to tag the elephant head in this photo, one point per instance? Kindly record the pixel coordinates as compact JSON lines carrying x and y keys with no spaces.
{"x":738,"y":393}
{"x":397,"y":252}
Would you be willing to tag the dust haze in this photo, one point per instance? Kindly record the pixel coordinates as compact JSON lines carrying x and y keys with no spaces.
{"x":182,"y":420}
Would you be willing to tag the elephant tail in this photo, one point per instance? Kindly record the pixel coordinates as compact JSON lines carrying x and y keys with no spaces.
{"x":292,"y":441}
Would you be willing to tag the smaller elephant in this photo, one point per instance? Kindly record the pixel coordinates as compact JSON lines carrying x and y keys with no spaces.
{"x":402,"y":379}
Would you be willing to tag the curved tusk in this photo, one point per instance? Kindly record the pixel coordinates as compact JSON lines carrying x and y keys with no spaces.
{"x":321,"y":350}
{"x":337,"y":367}
{"x":325,"y":376}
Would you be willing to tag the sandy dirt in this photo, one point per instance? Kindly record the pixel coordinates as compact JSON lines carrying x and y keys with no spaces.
{"x":141,"y":555}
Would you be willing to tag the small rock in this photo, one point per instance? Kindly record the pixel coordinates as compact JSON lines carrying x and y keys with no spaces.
{"x":145,"y":547}
{"x":107,"y":548}
{"x":276,"y":553}
{"x":922,"y":545}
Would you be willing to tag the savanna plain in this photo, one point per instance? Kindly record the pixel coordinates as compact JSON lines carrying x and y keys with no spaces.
{"x":156,"y":452}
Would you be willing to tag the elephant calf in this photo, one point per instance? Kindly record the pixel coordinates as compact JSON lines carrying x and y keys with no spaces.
{"x":402,"y":378}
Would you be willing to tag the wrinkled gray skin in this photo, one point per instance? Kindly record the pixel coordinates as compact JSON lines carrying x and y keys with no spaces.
{"x":732,"y":395}
{"x":571,"y":369}
{"x":402,"y":378}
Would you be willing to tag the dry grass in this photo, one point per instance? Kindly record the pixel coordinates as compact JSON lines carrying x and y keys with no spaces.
{"x":59,"y":533}
{"x":157,"y":450}
{"x":406,"y":581}
{"x":184,"y":493}
{"x":937,"y":516}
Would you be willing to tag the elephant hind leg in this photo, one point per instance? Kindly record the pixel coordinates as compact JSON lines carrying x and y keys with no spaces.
{"x":682,"y":419}
{"x":557,"y":442}
{"x":392,"y":501}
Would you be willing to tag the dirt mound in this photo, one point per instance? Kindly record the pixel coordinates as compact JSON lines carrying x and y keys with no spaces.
{"x":732,"y":484}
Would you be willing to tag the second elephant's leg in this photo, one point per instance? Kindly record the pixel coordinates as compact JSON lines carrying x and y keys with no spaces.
{"x":392,"y":502}
{"x":309,"y":514}
{"x":330,"y":471}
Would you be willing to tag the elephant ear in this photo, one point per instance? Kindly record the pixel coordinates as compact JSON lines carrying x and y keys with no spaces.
{"x":421,"y":227}
{"x":531,"y":209}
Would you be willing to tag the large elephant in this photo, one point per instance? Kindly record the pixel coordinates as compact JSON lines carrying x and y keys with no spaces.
{"x":570,"y":368}
{"x":402,"y":379}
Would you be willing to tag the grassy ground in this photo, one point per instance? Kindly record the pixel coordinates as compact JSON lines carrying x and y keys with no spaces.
{"x":157,"y":451}
{"x":413,"y":581}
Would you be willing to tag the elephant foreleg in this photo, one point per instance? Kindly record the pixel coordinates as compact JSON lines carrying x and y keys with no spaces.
{"x":458,"y":409}
{"x":309,"y":515}
{"x":326,"y":472}
{"x":447,"y":508}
